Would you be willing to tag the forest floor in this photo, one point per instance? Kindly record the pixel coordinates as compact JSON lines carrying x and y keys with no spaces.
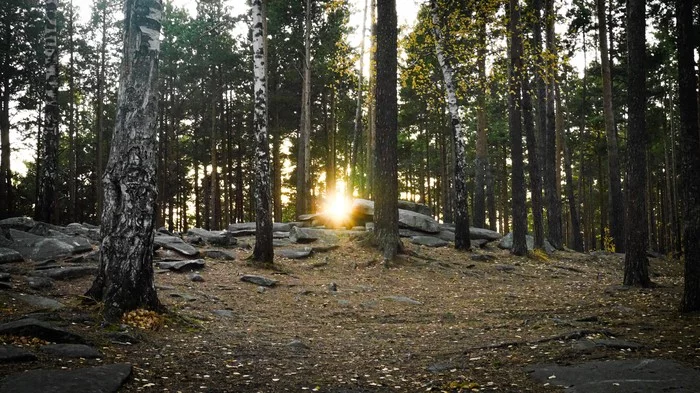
{"x":436,"y":320}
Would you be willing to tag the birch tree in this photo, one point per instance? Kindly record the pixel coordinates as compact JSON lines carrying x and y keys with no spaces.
{"x":263,"y":252}
{"x":125,"y":278}
{"x":462,"y":241}
{"x":49,"y":136}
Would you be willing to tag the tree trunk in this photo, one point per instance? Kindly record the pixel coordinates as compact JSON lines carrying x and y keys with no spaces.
{"x":304,"y":142}
{"x":550,"y":172}
{"x":541,"y":102}
{"x":371,"y":101}
{"x":615,"y":198}
{"x":533,"y":164}
{"x":214,"y":182}
{"x":482,"y":158}
{"x":354,"y":178}
{"x":689,"y":155}
{"x":100,"y":147}
{"x":50,"y":133}
{"x":636,"y":229}
{"x":386,"y":230}
{"x":125,"y":278}
{"x":263,"y":252}
{"x":6,"y":208}
{"x":72,"y":151}
{"x":462,"y":241}
{"x":514,"y":123}
{"x":330,"y":158}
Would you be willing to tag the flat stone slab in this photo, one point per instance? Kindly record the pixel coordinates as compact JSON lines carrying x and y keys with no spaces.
{"x":41,"y":302}
{"x":103,"y":379}
{"x":39,"y":282}
{"x":67,"y":273}
{"x":8,"y":255}
{"x":71,"y":351}
{"x":612,"y":343}
{"x":212,"y":237}
{"x":176,"y":244}
{"x":34,"y":328}
{"x":219,"y":254}
{"x":620,"y":376}
{"x":10,"y":354}
{"x":429,"y":241}
{"x":181,"y":266}
{"x":298,"y":253}
{"x":259,"y":280}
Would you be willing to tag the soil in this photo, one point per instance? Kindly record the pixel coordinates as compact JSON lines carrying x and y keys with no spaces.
{"x":434,"y":320}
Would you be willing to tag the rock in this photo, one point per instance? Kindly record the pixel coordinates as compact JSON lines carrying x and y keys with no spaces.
{"x":182,"y":266}
{"x":308,"y":235}
{"x":295,"y":253}
{"x":79,"y":243}
{"x":39,"y":248}
{"x":482,"y":257}
{"x":250,"y":226}
{"x":416,"y":207}
{"x":297,"y":345}
{"x":34,"y":328}
{"x":280,"y":235}
{"x":259,"y":280}
{"x":6,"y":286}
{"x":176,"y":244}
{"x":417,"y":221}
{"x":281,"y":242}
{"x":10,"y":354}
{"x":184,"y":296}
{"x":92,"y":233}
{"x":8,"y":255}
{"x":194,"y":277}
{"x":219,"y":254}
{"x":103,"y":379}
{"x":40,"y":302}
{"x":214,"y":238}
{"x":5,"y":277}
{"x":223,"y":313}
{"x":261,"y":289}
{"x":71,"y":351}
{"x":446,"y":236}
{"x":478,"y":243}
{"x":67,"y":273}
{"x":429,"y":241}
{"x":123,"y":338}
{"x":440,"y":367}
{"x":620,"y":376}
{"x":507,"y":243}
{"x":403,"y":299}
{"x":316,"y":247}
{"x":483,"y":234}
{"x":20,"y":223}
{"x":333,"y":287}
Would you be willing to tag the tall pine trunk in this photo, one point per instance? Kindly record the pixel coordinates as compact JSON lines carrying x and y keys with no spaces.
{"x":554,"y":232}
{"x":533,"y":164}
{"x":125,"y":278}
{"x":304,"y":142}
{"x":354,"y":178}
{"x":636,"y":229}
{"x":50,"y":134}
{"x":689,"y":155}
{"x":462,"y":241}
{"x":263,"y":252}
{"x":72,"y":151}
{"x":514,"y":123}
{"x":100,"y":146}
{"x":482,"y":158}
{"x":385,"y":188}
{"x":615,"y":198}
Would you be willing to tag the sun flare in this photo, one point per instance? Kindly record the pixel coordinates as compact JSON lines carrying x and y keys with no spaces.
{"x":338,"y":208}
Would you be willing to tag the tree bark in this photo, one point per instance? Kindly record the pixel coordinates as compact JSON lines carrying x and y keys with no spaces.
{"x":50,"y":132}
{"x":72,"y":151}
{"x":125,"y":278}
{"x":554,"y":233}
{"x":533,"y":164}
{"x":482,"y":158}
{"x":615,"y":198}
{"x":386,"y":230}
{"x":462,"y":241}
{"x":514,"y":123}
{"x":354,"y":177}
{"x":636,"y":228}
{"x":689,"y":155}
{"x":263,"y":252}
{"x":330,"y":159}
{"x":304,"y":142}
{"x":100,"y":148}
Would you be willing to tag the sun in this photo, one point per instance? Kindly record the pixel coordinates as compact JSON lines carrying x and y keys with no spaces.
{"x":337,"y":208}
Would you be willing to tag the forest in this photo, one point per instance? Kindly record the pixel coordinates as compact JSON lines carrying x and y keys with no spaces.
{"x":570,"y":127}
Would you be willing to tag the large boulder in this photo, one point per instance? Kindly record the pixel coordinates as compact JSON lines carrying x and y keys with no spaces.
{"x":217,"y":238}
{"x":8,"y":255}
{"x":35,"y":328}
{"x":308,"y":235}
{"x":103,"y":379}
{"x":18,"y":223}
{"x":407,"y":218}
{"x":250,"y":226}
{"x":507,"y":243}
{"x":416,"y":207}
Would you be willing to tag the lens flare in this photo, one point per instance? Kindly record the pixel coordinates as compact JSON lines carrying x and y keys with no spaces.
{"x":337,"y":209}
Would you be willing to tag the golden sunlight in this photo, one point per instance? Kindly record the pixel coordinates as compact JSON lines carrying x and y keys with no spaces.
{"x":337,"y":208}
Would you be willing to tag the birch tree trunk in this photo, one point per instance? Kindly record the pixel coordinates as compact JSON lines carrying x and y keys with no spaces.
{"x":50,"y":136}
{"x":689,"y":155}
{"x":460,"y":180}
{"x":516,"y":143}
{"x":615,"y":198}
{"x":386,"y":213}
{"x":263,"y":252}
{"x":125,"y":278}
